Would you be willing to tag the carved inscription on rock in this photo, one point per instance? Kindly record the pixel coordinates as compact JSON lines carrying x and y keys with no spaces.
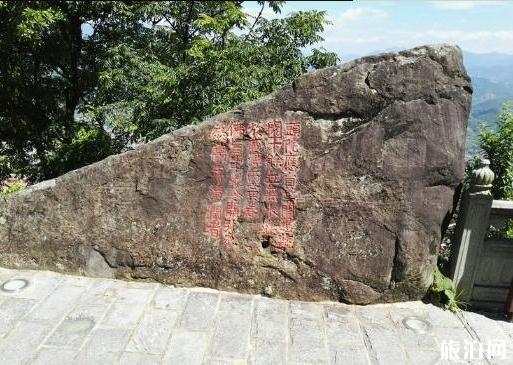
{"x":254,"y":179}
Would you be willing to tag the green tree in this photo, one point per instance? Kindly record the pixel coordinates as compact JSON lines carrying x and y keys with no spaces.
{"x":82,"y":80}
{"x":498,"y":147}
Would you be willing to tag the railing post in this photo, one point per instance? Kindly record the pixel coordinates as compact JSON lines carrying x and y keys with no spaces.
{"x":509,"y":304}
{"x":471,"y":228}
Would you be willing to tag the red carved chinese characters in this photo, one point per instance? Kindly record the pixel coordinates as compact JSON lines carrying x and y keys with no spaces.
{"x":254,"y":178}
{"x":282,"y":165}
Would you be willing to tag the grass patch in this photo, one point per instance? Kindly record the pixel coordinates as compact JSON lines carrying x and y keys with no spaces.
{"x":442,"y":293}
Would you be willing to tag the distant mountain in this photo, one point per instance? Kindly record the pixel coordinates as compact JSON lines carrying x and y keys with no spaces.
{"x":489,"y":97}
{"x":487,"y":101}
{"x":496,"y":67}
{"x":492,"y":80}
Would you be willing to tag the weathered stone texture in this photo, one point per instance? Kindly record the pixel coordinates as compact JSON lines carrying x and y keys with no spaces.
{"x":336,"y":187}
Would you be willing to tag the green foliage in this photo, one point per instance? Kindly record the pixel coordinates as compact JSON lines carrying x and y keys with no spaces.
{"x":82,"y":80}
{"x":506,"y":231}
{"x":498,"y":146}
{"x":8,"y":190}
{"x":442,"y":292}
{"x":35,"y":24}
{"x":87,"y":146}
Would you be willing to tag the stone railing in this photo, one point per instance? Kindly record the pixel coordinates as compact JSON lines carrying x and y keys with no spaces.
{"x":482,"y":266}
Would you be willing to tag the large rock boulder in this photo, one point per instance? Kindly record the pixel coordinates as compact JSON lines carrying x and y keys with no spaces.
{"x":336,"y":187}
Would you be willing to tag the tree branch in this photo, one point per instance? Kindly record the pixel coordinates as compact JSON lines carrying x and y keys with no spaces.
{"x":254,"y":23}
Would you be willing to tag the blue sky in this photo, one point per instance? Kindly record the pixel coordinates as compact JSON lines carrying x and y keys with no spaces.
{"x":363,"y":27}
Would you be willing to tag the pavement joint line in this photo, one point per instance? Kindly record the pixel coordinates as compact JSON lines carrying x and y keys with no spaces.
{"x":364,"y":338}
{"x":371,"y":352}
{"x":287,"y":333}
{"x":139,"y":320}
{"x":35,"y":305}
{"x":180,"y":312}
{"x":250,"y":338}
{"x":212,"y":331}
{"x":95,"y":327}
{"x":472,"y":332}
{"x":325,"y":331}
{"x":64,"y":316}
{"x":467,"y":326}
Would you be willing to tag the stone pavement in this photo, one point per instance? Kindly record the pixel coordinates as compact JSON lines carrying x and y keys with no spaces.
{"x":62,"y":319}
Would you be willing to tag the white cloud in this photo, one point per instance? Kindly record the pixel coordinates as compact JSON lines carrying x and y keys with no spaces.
{"x":367,"y":41}
{"x":357,"y":14}
{"x":460,"y":36}
{"x":463,"y":4}
{"x":364,"y":29}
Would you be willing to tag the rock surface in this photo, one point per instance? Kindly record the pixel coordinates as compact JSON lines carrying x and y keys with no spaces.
{"x":336,"y":187}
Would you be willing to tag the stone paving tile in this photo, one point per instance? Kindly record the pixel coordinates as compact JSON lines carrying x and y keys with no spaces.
{"x":354,"y":354}
{"x":384,"y":344}
{"x":74,"y":320}
{"x":129,"y":306}
{"x":459,"y":335}
{"x":187,"y":348}
{"x":57,"y":304}
{"x":266,"y":351}
{"x":381,"y":335}
{"x":138,"y":358}
{"x":345,"y":339}
{"x":410,"y":338}
{"x":485,"y":330}
{"x":231,"y":335}
{"x":490,"y":334}
{"x":170,"y":298}
{"x":102,"y":292}
{"x":137,"y":295}
{"x":270,"y":319}
{"x":507,"y":327}
{"x":343,"y":330}
{"x":40,"y":284}
{"x":378,"y":315}
{"x":306,"y":310}
{"x":19,"y":346}
{"x":152,"y":332}
{"x":241,"y":304}
{"x":424,"y":357}
{"x":76,"y":326}
{"x":81,"y":281}
{"x":47,"y":356}
{"x":337,"y":311}
{"x":424,"y":339}
{"x":210,"y":361}
{"x":307,"y":342}
{"x":11,"y":311}
{"x":439,"y":317}
{"x":123,"y":315}
{"x":71,"y":333}
{"x":199,"y":311}
{"x":91,"y":357}
{"x":104,"y":340}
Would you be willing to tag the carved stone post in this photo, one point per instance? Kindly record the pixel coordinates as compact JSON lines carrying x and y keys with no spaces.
{"x":471,"y":228}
